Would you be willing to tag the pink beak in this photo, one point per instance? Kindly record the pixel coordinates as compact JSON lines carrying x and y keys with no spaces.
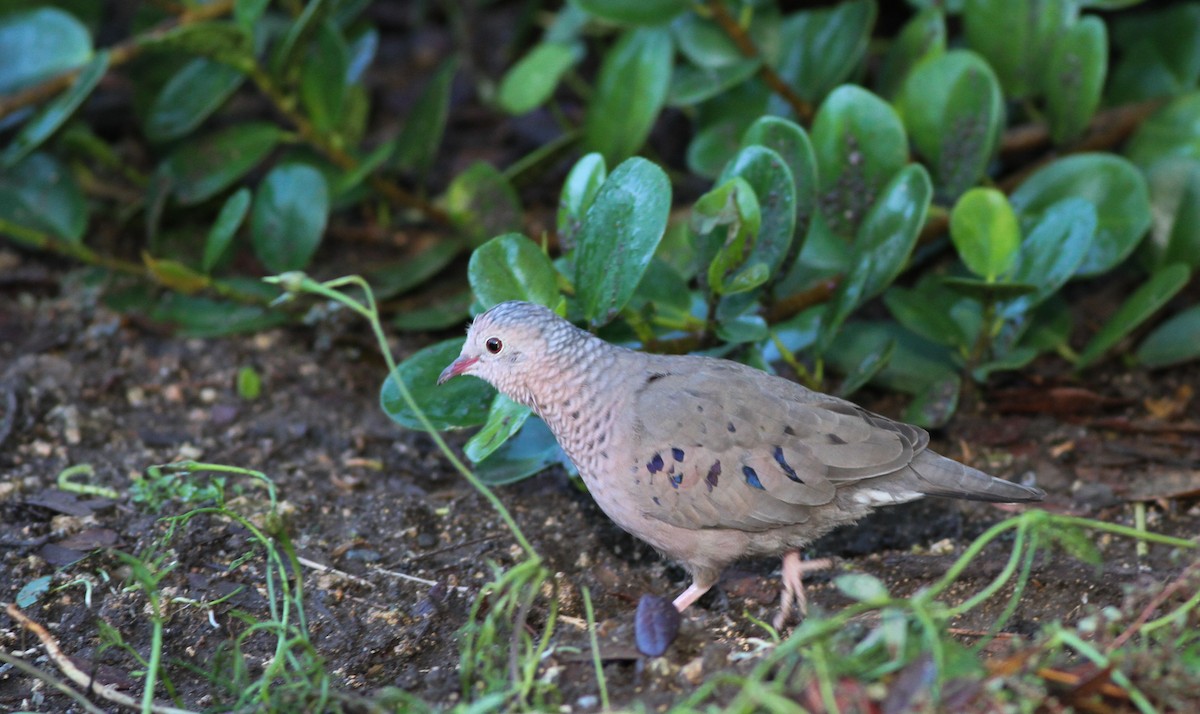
{"x":457,"y":367}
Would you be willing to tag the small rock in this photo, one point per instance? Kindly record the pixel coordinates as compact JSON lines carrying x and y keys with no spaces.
{"x":656,"y":625}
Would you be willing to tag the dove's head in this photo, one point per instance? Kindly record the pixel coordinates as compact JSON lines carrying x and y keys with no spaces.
{"x":513,"y":345}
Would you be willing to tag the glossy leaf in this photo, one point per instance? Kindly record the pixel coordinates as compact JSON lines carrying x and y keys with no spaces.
{"x":791,"y":142}
{"x":726,"y":223}
{"x":630,"y":92}
{"x":770,"y":177}
{"x":933,"y":406}
{"x":174,"y":275}
{"x":459,"y":403}
{"x":578,"y":192}
{"x":437,"y":313}
{"x":820,"y":48}
{"x":223,"y":229}
{"x":419,"y":140}
{"x":1175,"y":197}
{"x":56,"y":112}
{"x":223,"y":41}
{"x":1174,"y":130}
{"x":39,"y":193}
{"x":505,"y":418}
{"x":532,"y":450}
{"x":202,"y":168}
{"x":512,"y":267}
{"x":1159,"y":53}
{"x":1053,"y":251}
{"x":923,"y":37}
{"x":198,"y":316}
{"x":620,"y":233}
{"x":533,"y":79}
{"x":482,"y":203}
{"x":954,"y":112}
{"x":1173,"y":342}
{"x":703,"y":42}
{"x":984,"y":230}
{"x":720,"y":124}
{"x":189,"y":97}
{"x":288,"y":217}
{"x":390,"y":280}
{"x":862,"y":587}
{"x":859,"y":144}
{"x":635,"y":12}
{"x":1017,"y":37}
{"x":925,"y":309}
{"x":866,"y":370}
{"x":1145,"y":301}
{"x":1115,"y":189}
{"x":323,"y":77}
{"x":691,"y":84}
{"x":1074,"y":80}
{"x":38,"y":44}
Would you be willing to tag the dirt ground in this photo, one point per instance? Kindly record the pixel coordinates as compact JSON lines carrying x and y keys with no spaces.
{"x":80,"y":384}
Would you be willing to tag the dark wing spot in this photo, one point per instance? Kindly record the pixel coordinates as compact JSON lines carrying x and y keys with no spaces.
{"x":731,"y":428}
{"x":787,"y":468}
{"x":603,"y":454}
{"x":699,"y":408}
{"x":713,"y":472}
{"x":575,"y":414}
{"x":752,"y":478}
{"x":657,"y":502}
{"x":835,"y":439}
{"x":677,"y":454}
{"x":676,"y":479}
{"x":789,"y":431}
{"x":654,"y":377}
{"x":655,"y":464}
{"x":600,"y":439}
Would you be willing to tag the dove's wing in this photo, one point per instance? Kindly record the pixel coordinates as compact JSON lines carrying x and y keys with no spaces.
{"x":720,"y":445}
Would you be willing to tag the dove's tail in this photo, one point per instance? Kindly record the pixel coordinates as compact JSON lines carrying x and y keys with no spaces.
{"x":935,"y":475}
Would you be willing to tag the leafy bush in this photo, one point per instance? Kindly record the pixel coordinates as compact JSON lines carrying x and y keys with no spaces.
{"x":834,"y":166}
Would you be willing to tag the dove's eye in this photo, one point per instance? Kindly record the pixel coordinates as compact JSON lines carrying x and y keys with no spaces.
{"x":494,"y":345}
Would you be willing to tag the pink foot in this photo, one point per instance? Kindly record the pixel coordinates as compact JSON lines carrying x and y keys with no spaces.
{"x":793,"y":596}
{"x":691,"y":595}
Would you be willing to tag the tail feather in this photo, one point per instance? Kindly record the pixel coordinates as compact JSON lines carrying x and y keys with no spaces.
{"x":935,"y":475}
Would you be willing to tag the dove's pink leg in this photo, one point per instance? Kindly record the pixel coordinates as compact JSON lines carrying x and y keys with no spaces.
{"x":691,"y":595}
{"x":793,"y":594}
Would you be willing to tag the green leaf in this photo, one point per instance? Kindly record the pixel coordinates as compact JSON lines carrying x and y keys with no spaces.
{"x":620,"y":233}
{"x":984,"y":230}
{"x":925,"y":309}
{"x":189,"y":97}
{"x":578,"y":193}
{"x":983,"y":290}
{"x":55,"y":113}
{"x":38,"y":44}
{"x":922,"y":37}
{"x":482,"y":203}
{"x":1173,"y":342}
{"x":532,"y":80}
{"x":954,"y":112}
{"x":743,"y":329}
{"x":691,"y":84}
{"x":866,"y":370}
{"x":791,"y":142}
{"x":41,"y":194}
{"x":459,"y":403}
{"x":228,"y":221}
{"x":1173,"y":130}
{"x":1159,"y":53}
{"x":200,"y":169}
{"x":223,"y":41}
{"x":733,"y":206}
{"x":417,"y":145}
{"x":821,"y":48}
{"x":1115,"y":189}
{"x":1145,"y":301}
{"x":1017,"y":38}
{"x":505,"y":418}
{"x":720,"y":124}
{"x":933,"y":406}
{"x":860,"y":144}
{"x":884,"y":242}
{"x":323,"y":83}
{"x":771,"y":179}
{"x":1075,"y":78}
{"x":1175,"y":198}
{"x":512,"y":267}
{"x":862,"y":587}
{"x":249,"y":384}
{"x":634,"y":12}
{"x":532,"y":450}
{"x":1053,"y":251}
{"x":33,"y":591}
{"x":199,"y":316}
{"x":437,"y":313}
{"x":289,"y":215}
{"x":703,"y":42}
{"x":392,"y":279}
{"x":630,"y":91}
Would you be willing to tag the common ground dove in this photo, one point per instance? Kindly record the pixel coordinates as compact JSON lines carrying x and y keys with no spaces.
{"x":705,"y":459}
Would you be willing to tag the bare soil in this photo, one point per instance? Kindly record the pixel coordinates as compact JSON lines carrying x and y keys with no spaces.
{"x":80,"y":384}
